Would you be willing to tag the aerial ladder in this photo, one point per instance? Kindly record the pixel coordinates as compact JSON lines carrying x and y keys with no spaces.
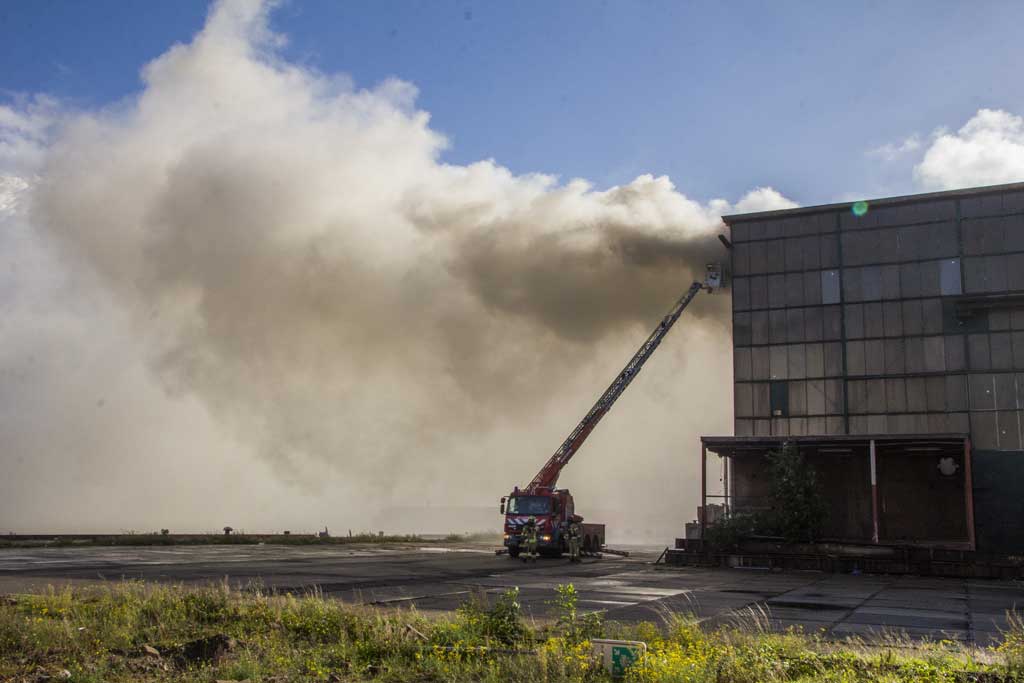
{"x":553,"y":509}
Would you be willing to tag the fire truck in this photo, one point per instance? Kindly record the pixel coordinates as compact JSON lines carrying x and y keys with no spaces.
{"x":554,"y":508}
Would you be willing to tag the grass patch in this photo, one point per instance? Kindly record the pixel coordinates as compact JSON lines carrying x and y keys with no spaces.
{"x":144,"y":632}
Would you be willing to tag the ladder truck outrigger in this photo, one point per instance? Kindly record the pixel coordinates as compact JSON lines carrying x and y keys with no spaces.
{"x":553,"y":508}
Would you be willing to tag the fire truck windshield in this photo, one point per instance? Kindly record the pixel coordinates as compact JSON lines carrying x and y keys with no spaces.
{"x":529,"y":505}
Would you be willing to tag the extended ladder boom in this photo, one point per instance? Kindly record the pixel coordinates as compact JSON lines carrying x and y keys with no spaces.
{"x":548,"y":476}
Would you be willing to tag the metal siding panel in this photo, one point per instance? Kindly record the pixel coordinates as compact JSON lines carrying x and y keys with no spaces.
{"x":832,"y":323}
{"x":978,"y":352}
{"x":958,"y":423}
{"x":1008,"y":430}
{"x":913,"y":318}
{"x":795,"y":324}
{"x":874,"y":323}
{"x":797,"y":361}
{"x":761,"y":400}
{"x":759,"y":327}
{"x":815,"y":360}
{"x":816,"y":426}
{"x":835,"y":402}
{"x":777,"y":327}
{"x":1004,"y":388}
{"x":812,"y":287}
{"x":740,"y":293}
{"x":829,"y":251}
{"x":984,"y":435}
{"x":956,"y":392}
{"x":795,"y":290}
{"x":916,"y":396}
{"x":929,"y":271}
{"x":895,"y":359}
{"x":744,"y":428}
{"x":877,"y":424}
{"x":871,"y":283}
{"x":816,"y":397}
{"x":874,"y":357}
{"x":855,"y":358}
{"x":834,"y":425}
{"x":1015,"y":271}
{"x":1017,"y":340}
{"x":1001,"y":350}
{"x":779,"y":362}
{"x":813,"y":323}
{"x":762,"y":427}
{"x":833,"y":359}
{"x":875,"y":395}
{"x":998,"y":320}
{"x":895,"y":395}
{"x":935,"y":394}
{"x":956,"y":358}
{"x":913,"y":351}
{"x":892,"y":314}
{"x":797,"y":398}
{"x":854,"y":321}
{"x":810,"y":246}
{"x":931,"y":316}
{"x":743,"y":403}
{"x":934,"y":354}
{"x":851,"y":284}
{"x":982,"y":396}
{"x":794,"y":254}
{"x":760,"y":367}
{"x":741,"y":329}
{"x":857,"y":393}
{"x":741,"y":364}
{"x":759,"y":292}
{"x":775,"y":256}
{"x":890,"y":282}
{"x":776,"y":291}
{"x":859,"y":424}
{"x":910,"y":279}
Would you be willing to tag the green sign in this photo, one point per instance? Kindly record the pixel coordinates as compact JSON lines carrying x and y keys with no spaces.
{"x":623,"y":656}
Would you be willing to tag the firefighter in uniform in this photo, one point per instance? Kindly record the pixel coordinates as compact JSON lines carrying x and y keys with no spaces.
{"x":574,"y":541}
{"x":530,"y":539}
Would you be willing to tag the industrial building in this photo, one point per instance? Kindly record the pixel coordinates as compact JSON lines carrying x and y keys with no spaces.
{"x":886,"y":340}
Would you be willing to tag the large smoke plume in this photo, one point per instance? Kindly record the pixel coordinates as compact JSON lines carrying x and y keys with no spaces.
{"x":290,"y":256}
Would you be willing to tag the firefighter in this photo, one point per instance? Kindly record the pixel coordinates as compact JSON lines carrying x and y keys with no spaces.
{"x":530,"y":539}
{"x":574,"y":541}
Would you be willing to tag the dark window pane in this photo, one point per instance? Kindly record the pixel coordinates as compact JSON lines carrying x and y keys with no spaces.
{"x":780,"y":399}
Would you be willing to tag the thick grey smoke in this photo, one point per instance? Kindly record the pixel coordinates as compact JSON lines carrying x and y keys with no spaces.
{"x":290,"y":256}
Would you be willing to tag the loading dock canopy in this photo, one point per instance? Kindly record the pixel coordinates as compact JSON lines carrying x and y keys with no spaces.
{"x":739,"y":446}
{"x":906,"y":489}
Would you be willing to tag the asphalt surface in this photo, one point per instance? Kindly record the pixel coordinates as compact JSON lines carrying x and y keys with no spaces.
{"x":439,"y":578}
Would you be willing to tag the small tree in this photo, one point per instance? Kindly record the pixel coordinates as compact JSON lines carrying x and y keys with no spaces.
{"x":798,"y":509}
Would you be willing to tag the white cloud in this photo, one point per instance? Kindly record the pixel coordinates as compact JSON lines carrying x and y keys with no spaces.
{"x":987,"y":150}
{"x":893,"y":151}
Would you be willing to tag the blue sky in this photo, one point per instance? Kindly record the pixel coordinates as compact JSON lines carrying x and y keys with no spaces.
{"x":722,"y":97}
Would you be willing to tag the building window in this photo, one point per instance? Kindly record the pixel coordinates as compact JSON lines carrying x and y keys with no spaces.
{"x":779,"y":398}
{"x":949,"y":277}
{"x":830,"y":286}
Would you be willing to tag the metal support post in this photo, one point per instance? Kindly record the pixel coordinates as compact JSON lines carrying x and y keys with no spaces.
{"x":969,"y":493}
{"x":703,"y":489}
{"x":874,"y":494}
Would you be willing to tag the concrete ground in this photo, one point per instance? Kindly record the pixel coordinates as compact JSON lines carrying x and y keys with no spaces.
{"x":439,"y":578}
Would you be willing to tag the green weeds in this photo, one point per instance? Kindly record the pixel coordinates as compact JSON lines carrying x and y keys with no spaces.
{"x":144,"y":632}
